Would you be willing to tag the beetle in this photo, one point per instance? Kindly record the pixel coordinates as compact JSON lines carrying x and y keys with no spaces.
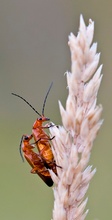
{"x":42,"y":139}
{"x":34,"y":160}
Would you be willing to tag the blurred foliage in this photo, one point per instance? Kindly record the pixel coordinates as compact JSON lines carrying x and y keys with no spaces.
{"x":33,"y":53}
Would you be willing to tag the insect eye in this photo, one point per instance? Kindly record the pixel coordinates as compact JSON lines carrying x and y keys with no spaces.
{"x":25,"y":138}
{"x":40,"y":119}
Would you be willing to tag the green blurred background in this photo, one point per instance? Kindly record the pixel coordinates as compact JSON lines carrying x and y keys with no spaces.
{"x":33,"y":53}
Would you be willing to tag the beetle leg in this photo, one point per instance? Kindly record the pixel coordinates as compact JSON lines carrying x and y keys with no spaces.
{"x":33,"y":170}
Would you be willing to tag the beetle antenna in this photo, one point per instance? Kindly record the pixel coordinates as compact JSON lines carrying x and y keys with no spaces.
{"x":27,"y":103}
{"x":20,"y":149}
{"x":46,"y":98}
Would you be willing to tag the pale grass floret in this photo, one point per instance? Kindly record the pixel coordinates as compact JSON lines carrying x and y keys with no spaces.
{"x":81,"y":121}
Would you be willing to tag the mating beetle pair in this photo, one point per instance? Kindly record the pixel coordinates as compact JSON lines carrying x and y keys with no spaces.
{"x":44,"y":159}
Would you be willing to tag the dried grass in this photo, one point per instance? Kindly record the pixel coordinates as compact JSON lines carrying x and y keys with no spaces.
{"x":81,"y":121}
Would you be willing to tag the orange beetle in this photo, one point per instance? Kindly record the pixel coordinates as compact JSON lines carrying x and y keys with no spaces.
{"x":43,"y":145}
{"x":34,"y":160}
{"x":41,"y":138}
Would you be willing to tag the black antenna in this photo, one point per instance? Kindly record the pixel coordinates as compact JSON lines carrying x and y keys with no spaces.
{"x":20,"y":151}
{"x":27,"y":103}
{"x":46,"y":98}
